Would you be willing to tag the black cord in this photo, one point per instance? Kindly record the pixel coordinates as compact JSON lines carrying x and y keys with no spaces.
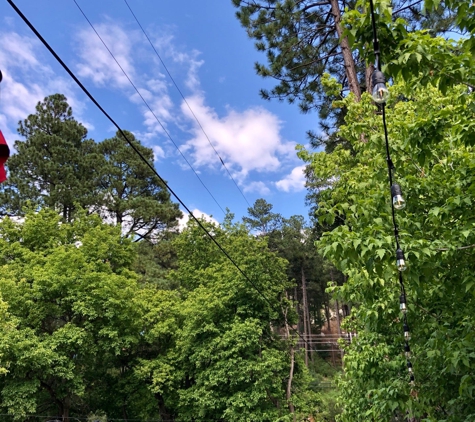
{"x":375,"y":37}
{"x":91,"y":97}
{"x":390,"y":177}
{"x":390,"y":174}
{"x":148,"y":106}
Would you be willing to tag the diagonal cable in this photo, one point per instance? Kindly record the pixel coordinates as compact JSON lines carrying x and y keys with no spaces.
{"x":104,"y":112}
{"x":148,"y":106}
{"x":186,"y":102}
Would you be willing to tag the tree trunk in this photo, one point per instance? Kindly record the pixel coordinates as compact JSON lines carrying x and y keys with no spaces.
{"x":124,"y":411}
{"x":306,"y":332}
{"x":348,"y":60}
{"x":337,"y":306}
{"x":163,"y":411}
{"x":66,"y":406}
{"x":292,"y":364}
{"x":296,"y":299}
{"x":289,"y":382}
{"x":368,"y":73}
{"x":328,"y":315}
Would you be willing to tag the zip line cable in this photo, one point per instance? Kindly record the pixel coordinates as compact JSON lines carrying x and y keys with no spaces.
{"x":186,"y":102}
{"x":148,"y":106}
{"x":96,"y":103}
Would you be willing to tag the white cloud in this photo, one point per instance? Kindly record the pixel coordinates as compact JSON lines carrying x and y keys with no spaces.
{"x":247,"y":141}
{"x":166,"y":46}
{"x":19,"y":51}
{"x":26,"y":81}
{"x":293,"y":182}
{"x":258,"y":187}
{"x":182,"y":222}
{"x":19,"y":99}
{"x":158,"y":152}
{"x":138,"y":61}
{"x":97,"y":63}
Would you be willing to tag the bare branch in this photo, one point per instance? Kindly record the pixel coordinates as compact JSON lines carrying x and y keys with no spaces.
{"x":457,"y":249}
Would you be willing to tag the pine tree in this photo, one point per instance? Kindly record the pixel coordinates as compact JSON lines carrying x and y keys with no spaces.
{"x":131,"y":194}
{"x":55,"y":166}
{"x":304,"y":40}
{"x":261,"y":218}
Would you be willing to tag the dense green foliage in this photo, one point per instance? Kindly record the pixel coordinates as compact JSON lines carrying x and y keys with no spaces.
{"x":435,"y":169}
{"x":83,"y":334}
{"x":69,"y":293}
{"x":235,"y":367}
{"x":431,"y":139}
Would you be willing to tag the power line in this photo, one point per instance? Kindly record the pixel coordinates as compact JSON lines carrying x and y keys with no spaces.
{"x":186,"y":102}
{"x":96,"y":103}
{"x":148,"y":106}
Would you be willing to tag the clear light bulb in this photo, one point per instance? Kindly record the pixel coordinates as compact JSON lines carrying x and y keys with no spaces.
{"x":380,"y":93}
{"x":407,"y":333}
{"x":402,"y":303}
{"x":398,"y":201}
{"x":400,"y":261}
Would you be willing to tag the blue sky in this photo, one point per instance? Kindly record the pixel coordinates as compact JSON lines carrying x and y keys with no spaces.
{"x":212,"y":61}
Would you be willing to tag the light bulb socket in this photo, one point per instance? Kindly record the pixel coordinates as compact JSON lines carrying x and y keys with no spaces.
{"x":398,"y":201}
{"x":412,"y":380}
{"x":378,"y":78}
{"x":399,"y":254}
{"x":400,"y":260}
{"x":396,"y":190}
{"x":402,"y":303}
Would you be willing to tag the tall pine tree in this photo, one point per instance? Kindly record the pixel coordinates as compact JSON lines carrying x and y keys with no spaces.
{"x":131,"y":194}
{"x":55,"y":166}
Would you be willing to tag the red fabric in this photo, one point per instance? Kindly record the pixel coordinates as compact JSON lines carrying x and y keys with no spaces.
{"x":4,"y":154}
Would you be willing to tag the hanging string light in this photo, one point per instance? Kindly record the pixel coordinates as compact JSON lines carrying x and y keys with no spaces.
{"x":398,"y":201}
{"x":380,"y":95}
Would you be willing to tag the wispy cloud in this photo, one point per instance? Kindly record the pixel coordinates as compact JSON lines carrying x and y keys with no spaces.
{"x":27,"y":80}
{"x":165,"y":44}
{"x":96,"y":62}
{"x":138,"y":60}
